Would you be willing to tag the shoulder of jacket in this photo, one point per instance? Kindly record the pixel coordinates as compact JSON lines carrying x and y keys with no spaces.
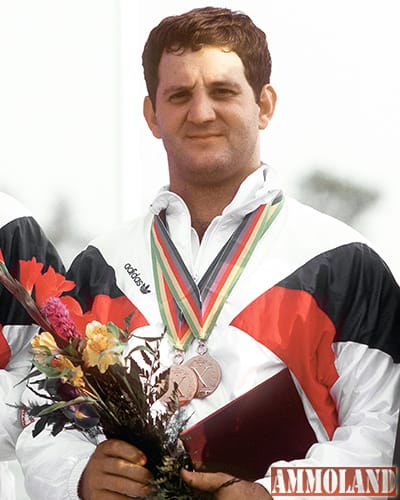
{"x":11,"y":209}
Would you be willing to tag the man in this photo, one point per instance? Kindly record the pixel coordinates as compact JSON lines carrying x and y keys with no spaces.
{"x":21,"y":240}
{"x":295,"y":289}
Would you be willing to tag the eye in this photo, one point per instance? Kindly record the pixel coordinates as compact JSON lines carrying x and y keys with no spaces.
{"x":223,"y":93}
{"x":179,"y":97}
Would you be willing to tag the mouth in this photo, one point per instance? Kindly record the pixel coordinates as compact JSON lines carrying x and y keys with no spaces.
{"x":203,"y":137}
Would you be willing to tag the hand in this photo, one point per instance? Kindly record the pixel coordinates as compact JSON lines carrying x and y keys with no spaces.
{"x":115,"y":471}
{"x":235,"y":489}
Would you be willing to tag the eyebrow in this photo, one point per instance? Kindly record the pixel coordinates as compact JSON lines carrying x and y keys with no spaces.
{"x":226,"y":83}
{"x":214,"y":84}
{"x":176,"y":88}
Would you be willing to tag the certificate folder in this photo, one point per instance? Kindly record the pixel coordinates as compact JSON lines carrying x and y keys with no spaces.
{"x":244,"y":437}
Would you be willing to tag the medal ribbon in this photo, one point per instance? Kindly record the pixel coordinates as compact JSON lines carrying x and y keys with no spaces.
{"x":200,"y":305}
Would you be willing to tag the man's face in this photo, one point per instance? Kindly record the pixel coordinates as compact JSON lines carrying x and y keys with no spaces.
{"x":207,"y":116}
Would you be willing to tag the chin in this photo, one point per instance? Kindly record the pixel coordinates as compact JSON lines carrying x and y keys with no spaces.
{"x":210,"y":162}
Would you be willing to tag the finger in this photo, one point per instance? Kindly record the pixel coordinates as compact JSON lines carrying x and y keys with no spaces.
{"x":126,"y":486}
{"x":121,"y":449}
{"x":123,"y":468}
{"x":110,"y":495}
{"x":106,"y":471}
{"x":95,"y":482}
{"x":205,"y":481}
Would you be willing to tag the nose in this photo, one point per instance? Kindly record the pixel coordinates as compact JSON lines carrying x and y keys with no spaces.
{"x":201,"y":109}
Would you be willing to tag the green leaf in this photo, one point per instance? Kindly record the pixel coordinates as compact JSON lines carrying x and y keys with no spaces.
{"x":33,"y":373}
{"x":39,"y":426}
{"x":58,"y":426}
{"x":115,"y":330}
{"x":140,"y":348}
{"x":49,"y":371}
{"x":73,"y":349}
{"x":63,"y":404}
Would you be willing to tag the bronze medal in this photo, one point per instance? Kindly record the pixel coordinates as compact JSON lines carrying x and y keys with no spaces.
{"x":186,"y":381}
{"x":208,"y":374}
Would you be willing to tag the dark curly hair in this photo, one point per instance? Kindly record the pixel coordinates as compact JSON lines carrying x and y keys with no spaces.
{"x":209,"y":26}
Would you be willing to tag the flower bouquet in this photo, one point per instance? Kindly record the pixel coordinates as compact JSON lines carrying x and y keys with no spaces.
{"x":86,"y":382}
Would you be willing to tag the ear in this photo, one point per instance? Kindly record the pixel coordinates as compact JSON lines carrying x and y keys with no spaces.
{"x":267,"y":106}
{"x":150,"y":117}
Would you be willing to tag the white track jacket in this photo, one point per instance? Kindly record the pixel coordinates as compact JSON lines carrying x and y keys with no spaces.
{"x":314,"y":297}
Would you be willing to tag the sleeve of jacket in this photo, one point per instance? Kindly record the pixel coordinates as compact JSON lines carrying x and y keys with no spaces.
{"x":53,"y":465}
{"x":363,"y":304}
{"x":21,"y":239}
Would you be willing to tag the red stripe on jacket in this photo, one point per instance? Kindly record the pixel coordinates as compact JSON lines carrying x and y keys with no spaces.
{"x":291,"y":325}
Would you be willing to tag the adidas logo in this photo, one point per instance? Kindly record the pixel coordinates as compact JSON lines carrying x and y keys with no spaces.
{"x":135,"y":276}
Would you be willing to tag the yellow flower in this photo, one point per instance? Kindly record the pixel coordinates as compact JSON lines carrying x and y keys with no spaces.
{"x":43,"y":346}
{"x":45,"y":339}
{"x":71,"y":373}
{"x":99,"y":350}
{"x":48,"y":355}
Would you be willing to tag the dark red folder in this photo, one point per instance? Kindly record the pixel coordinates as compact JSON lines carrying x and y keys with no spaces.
{"x":260,"y":427}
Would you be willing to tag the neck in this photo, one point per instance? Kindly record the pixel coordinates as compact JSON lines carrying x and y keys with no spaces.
{"x":204,"y":208}
{"x":205,"y":202}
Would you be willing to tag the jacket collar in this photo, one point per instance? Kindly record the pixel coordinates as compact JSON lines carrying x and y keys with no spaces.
{"x":259,"y":187}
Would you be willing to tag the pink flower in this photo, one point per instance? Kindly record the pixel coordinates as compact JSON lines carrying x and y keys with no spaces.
{"x":59,"y":318}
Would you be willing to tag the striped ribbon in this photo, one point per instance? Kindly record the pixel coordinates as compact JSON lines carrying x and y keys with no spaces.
{"x":190,"y":310}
